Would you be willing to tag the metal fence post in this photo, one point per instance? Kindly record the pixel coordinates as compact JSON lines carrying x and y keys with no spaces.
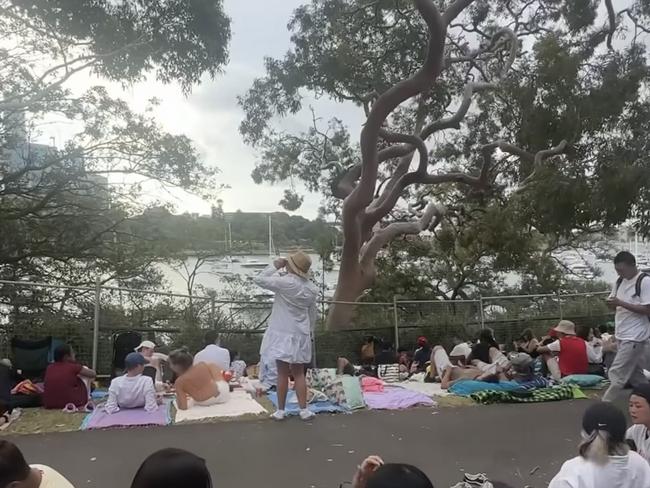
{"x":396,"y":320}
{"x":559,"y":304}
{"x":98,"y":292}
{"x":480,"y":304}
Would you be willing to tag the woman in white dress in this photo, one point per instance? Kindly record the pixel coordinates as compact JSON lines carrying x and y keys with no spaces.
{"x":605,"y":459}
{"x":287,"y":340}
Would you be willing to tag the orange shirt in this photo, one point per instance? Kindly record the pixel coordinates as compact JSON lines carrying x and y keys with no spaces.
{"x":198,"y":382}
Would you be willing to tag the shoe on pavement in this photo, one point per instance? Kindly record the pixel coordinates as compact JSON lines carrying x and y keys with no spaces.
{"x":307,"y":415}
{"x":278,"y":415}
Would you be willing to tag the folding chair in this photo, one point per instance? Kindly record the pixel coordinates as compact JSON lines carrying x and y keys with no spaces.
{"x":31,"y":357}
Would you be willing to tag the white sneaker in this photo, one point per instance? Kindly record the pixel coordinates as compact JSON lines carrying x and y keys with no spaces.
{"x":307,"y":415}
{"x":278,"y":415}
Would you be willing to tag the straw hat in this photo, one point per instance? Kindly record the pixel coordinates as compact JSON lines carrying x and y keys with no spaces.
{"x":299,"y":263}
{"x":566,"y":327}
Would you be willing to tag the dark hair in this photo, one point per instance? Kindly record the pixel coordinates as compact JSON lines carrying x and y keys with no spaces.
{"x":233,"y":355}
{"x":13,"y":466}
{"x":625,"y":257}
{"x":402,"y":475}
{"x":487,"y":337}
{"x":211,"y":337}
{"x":61,"y":352}
{"x":182,"y":358}
{"x":582,"y":331}
{"x":603,"y":427}
{"x":527,"y":335}
{"x":172,"y":468}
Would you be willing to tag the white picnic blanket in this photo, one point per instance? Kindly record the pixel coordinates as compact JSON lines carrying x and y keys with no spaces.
{"x":429,"y":389}
{"x":240,"y":403}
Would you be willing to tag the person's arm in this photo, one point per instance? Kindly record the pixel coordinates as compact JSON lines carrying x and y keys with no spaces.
{"x":269,"y":278}
{"x":181,"y":395}
{"x":86,"y":372}
{"x":111,"y":404}
{"x":532,"y":346}
{"x":552,"y":347}
{"x":367,"y":467}
{"x":632,"y":307}
{"x":150,"y":402}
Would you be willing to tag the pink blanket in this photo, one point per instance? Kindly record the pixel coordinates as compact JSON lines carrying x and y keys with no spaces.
{"x":371,"y":385}
{"x":395,"y":398}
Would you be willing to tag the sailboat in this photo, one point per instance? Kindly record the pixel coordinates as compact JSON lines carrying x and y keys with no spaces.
{"x":256,"y":263}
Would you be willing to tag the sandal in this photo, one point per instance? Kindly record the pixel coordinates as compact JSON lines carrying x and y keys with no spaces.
{"x":70,"y":408}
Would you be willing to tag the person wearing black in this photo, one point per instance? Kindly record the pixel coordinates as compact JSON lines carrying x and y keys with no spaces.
{"x":387,"y":355}
{"x":421,"y":355}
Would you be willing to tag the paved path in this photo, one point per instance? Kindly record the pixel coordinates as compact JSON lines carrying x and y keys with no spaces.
{"x":505,"y":441}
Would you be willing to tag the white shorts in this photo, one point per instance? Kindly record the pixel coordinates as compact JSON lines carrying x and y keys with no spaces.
{"x":441,"y":360}
{"x":223,"y":397}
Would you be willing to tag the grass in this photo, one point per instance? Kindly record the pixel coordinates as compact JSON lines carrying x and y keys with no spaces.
{"x":41,"y":421}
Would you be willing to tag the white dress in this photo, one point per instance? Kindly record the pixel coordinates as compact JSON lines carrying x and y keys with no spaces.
{"x":288,"y":336}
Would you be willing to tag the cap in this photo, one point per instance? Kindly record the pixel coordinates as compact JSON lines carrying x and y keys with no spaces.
{"x":134,"y":359}
{"x":521,"y":362}
{"x":422,"y":341}
{"x":643,"y":391}
{"x":606,"y":417}
{"x":147,"y":344}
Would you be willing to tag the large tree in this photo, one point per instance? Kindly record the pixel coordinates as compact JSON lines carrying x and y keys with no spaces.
{"x":67,"y":212}
{"x":536,"y":109}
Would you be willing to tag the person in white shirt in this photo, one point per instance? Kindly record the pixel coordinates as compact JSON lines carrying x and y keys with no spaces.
{"x":155,"y":360}
{"x":639,"y":433}
{"x":630,"y":298}
{"x":133,"y":390}
{"x":287,"y":340}
{"x":605,"y":459}
{"x":15,"y":472}
{"x":213,"y":353}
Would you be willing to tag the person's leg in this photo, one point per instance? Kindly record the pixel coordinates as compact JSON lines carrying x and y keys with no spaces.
{"x":624,"y":368}
{"x":300,"y":385}
{"x":341,"y":365}
{"x":553,"y":366}
{"x":498,"y":358}
{"x":283,"y":384}
{"x":439,"y":361}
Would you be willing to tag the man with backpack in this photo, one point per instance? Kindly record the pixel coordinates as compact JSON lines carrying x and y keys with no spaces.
{"x":630,"y":298}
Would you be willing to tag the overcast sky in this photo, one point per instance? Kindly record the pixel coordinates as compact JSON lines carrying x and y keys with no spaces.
{"x":210,"y":115}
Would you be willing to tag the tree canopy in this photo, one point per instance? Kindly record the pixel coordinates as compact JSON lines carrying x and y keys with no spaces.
{"x":530,"y":110}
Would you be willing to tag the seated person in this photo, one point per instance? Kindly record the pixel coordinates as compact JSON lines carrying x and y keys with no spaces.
{"x":132,"y":390}
{"x":154,"y":359}
{"x":639,"y":410}
{"x":404,"y":360}
{"x":368,"y":351}
{"x":66,"y":381}
{"x":442,"y":367}
{"x":527,"y":343}
{"x":16,"y":473}
{"x":344,"y":366}
{"x":387,"y":355}
{"x":213,"y":353}
{"x":594,"y":349}
{"x":237,"y":366}
{"x":522,"y":371}
{"x":460,"y":353}
{"x":421,"y":356}
{"x":202,"y":382}
{"x":568,"y":354}
{"x":487,"y":356}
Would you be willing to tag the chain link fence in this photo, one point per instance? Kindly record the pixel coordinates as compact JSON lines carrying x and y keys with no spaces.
{"x":90,"y":318}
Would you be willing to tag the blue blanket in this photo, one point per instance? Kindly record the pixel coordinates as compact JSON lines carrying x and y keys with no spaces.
{"x":292,"y":407}
{"x":469,"y":387}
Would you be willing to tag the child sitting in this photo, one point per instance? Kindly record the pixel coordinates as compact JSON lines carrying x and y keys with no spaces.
{"x":133,"y":390}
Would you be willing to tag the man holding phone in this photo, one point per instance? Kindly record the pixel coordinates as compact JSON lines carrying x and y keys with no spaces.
{"x":630,"y":298}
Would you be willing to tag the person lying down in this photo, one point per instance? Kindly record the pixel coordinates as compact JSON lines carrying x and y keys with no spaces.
{"x":132,"y":390}
{"x":203,"y":383}
{"x":443,"y":368}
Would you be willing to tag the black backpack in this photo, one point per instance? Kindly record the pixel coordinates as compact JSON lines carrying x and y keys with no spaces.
{"x":637,"y":285}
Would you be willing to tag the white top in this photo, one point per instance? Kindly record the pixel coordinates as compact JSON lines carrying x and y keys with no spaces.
{"x":213,"y":354}
{"x":626,"y":471}
{"x":632,"y":326}
{"x":51,"y":478}
{"x":595,"y":352}
{"x":462,"y":349}
{"x":131,"y":392}
{"x":639,"y":434}
{"x":294,"y":308}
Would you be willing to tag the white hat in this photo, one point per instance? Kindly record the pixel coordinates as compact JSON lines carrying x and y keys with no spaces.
{"x":147,"y":344}
{"x":566,"y":327}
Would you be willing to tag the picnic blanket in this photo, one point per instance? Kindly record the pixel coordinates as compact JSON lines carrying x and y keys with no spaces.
{"x":428,"y":389}
{"x":469,"y":387}
{"x":396,"y":398}
{"x":564,"y":392}
{"x":133,"y":417}
{"x":292,"y":407}
{"x":240,"y":403}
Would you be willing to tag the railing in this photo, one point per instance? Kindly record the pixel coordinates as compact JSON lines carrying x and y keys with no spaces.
{"x":89,"y":317}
